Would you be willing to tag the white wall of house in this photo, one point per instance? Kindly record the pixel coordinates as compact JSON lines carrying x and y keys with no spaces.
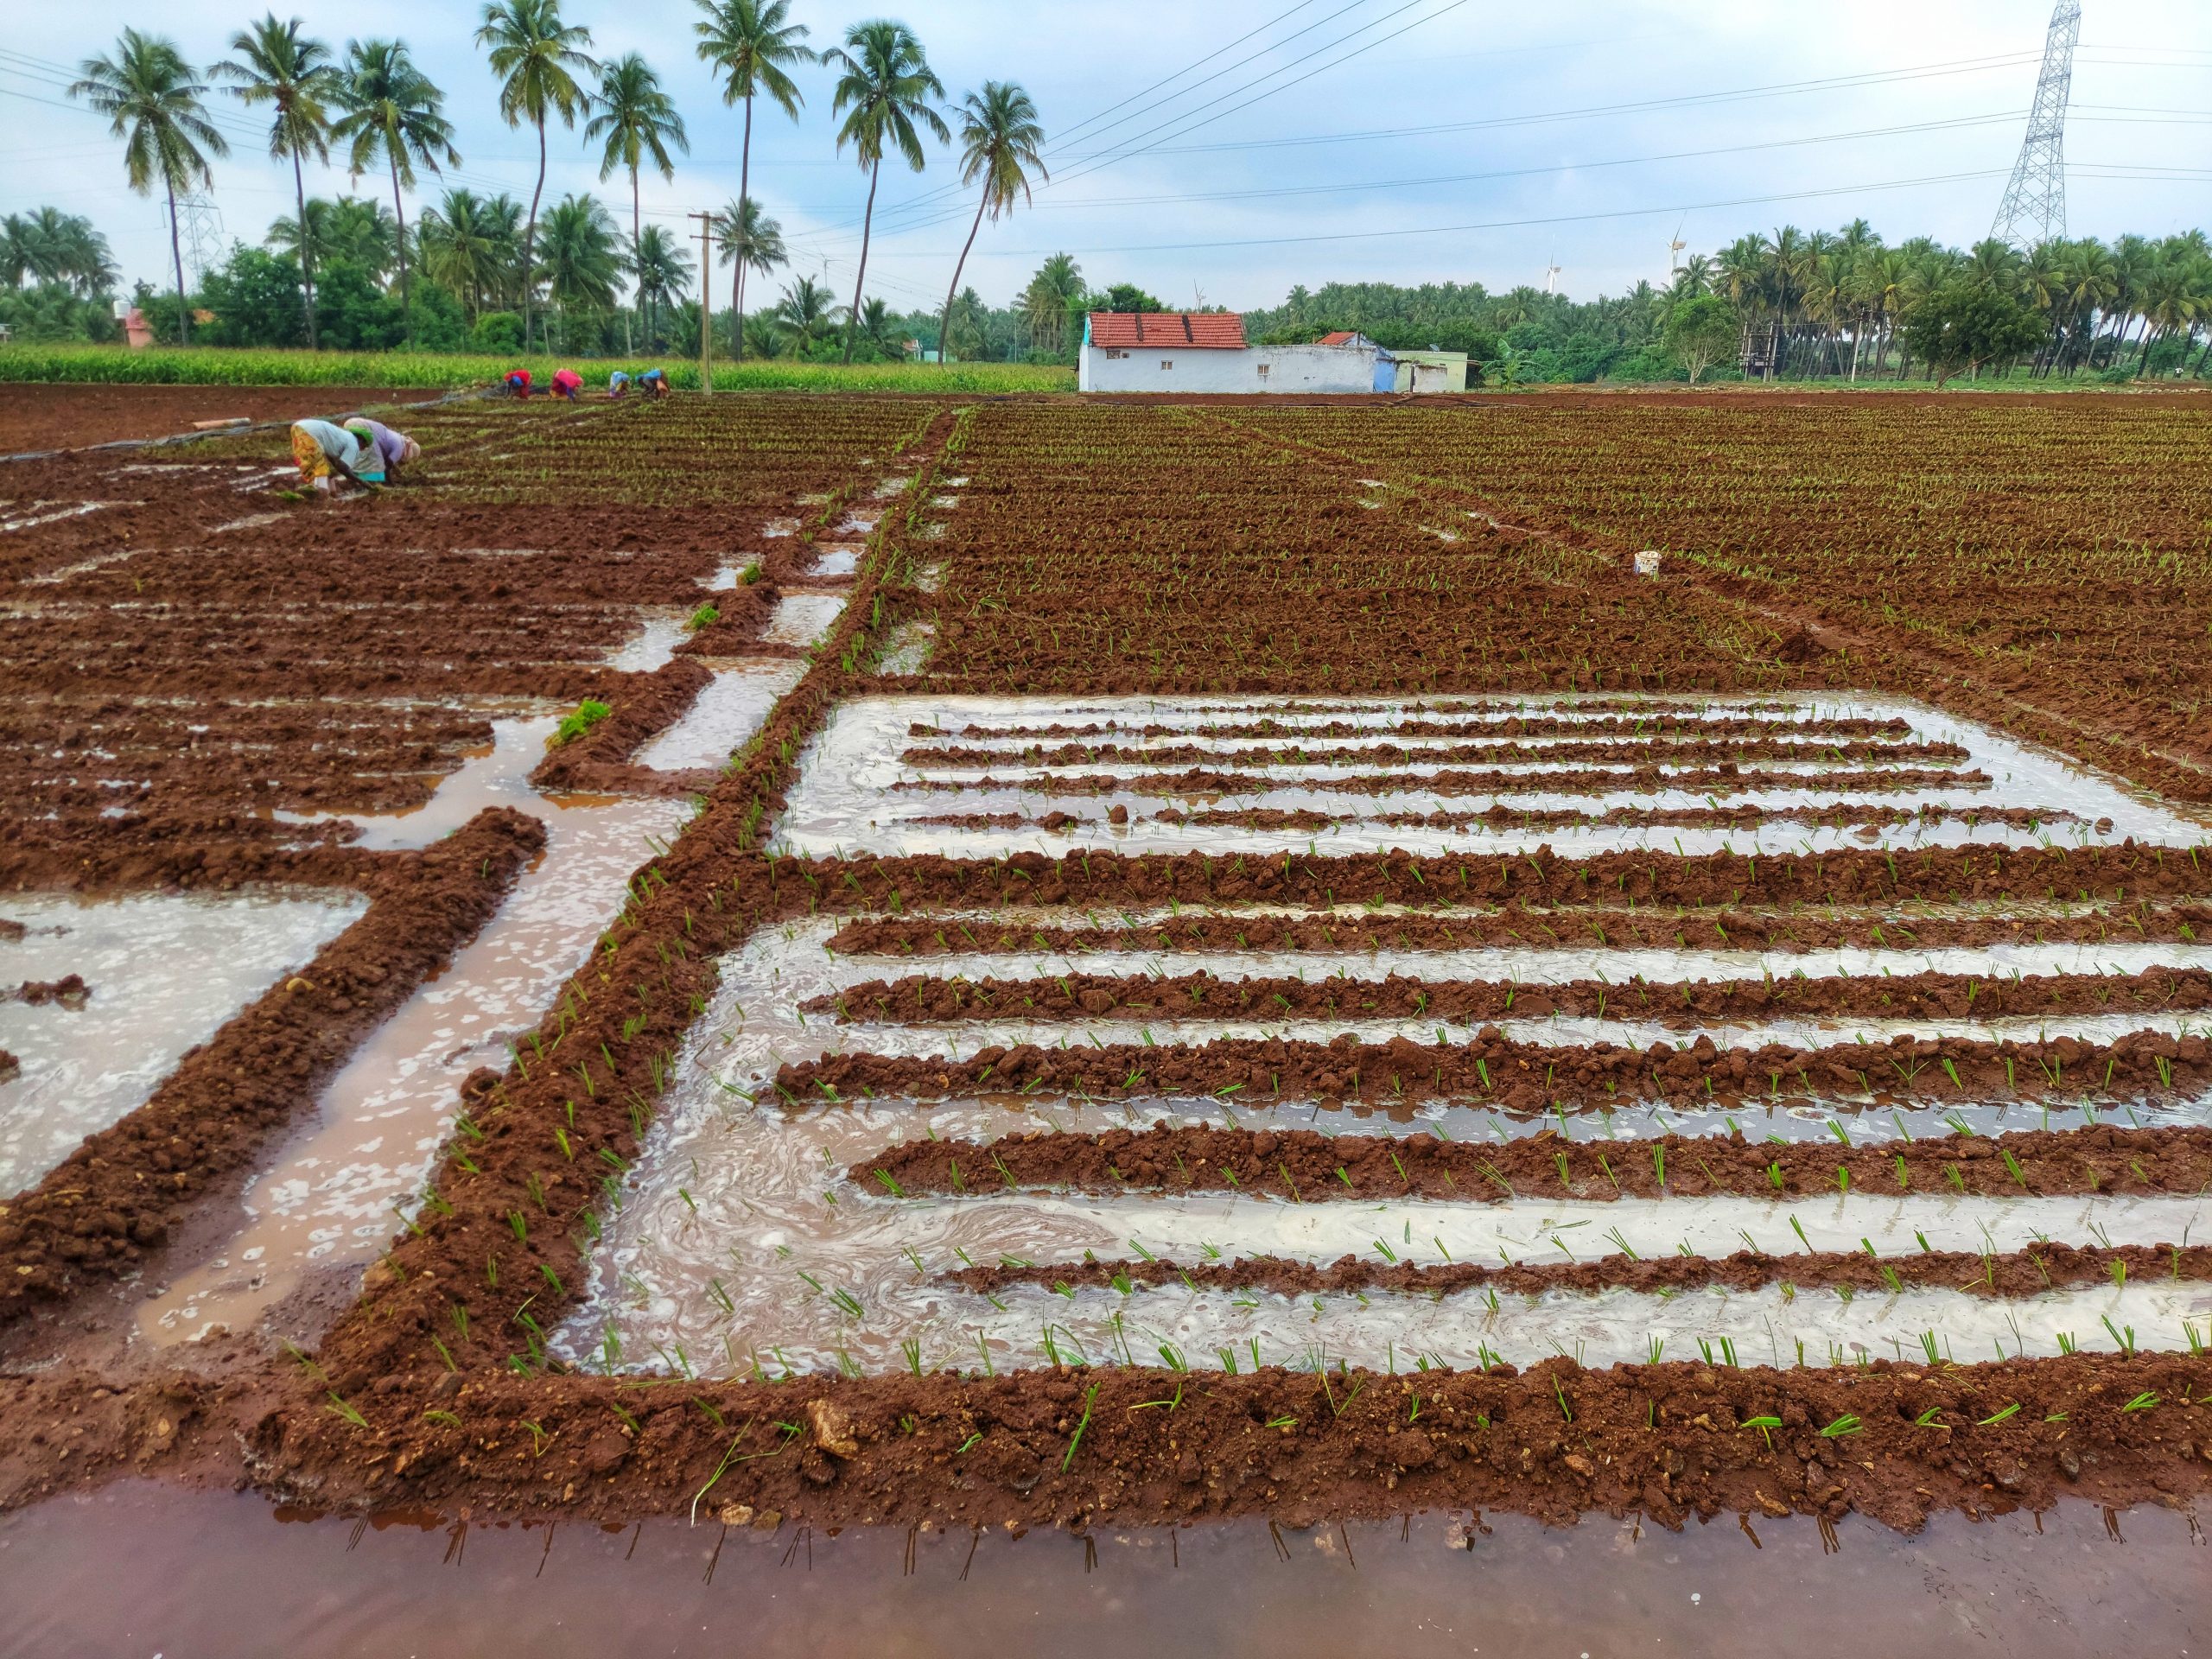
{"x":1256,"y":368}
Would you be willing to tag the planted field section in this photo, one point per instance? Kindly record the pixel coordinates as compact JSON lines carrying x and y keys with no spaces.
{"x":975,"y":777}
{"x":1112,"y":547}
{"x":2043,"y":560}
{"x":1079,"y":1124}
{"x":204,"y":657}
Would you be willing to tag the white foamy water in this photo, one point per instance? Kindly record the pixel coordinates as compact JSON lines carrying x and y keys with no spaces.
{"x":732,"y":707}
{"x":165,"y":971}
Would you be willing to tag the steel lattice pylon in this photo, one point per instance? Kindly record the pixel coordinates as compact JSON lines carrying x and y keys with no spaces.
{"x":2034,"y":208}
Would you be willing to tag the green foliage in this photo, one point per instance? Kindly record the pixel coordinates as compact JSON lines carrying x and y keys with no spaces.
{"x":587,"y":714}
{"x":498,"y":333}
{"x":256,"y":299}
{"x":1700,"y":330}
{"x":1126,"y":297}
{"x":119,"y":366}
{"x":1964,"y":324}
{"x":52,"y":314}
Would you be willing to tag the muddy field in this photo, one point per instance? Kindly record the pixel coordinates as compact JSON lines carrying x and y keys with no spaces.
{"x":899,"y":971}
{"x":36,"y":418}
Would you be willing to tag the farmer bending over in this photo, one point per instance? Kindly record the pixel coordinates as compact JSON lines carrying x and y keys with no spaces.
{"x":617,"y":383}
{"x":394,"y":449}
{"x":655,"y":381}
{"x":324,"y":451}
{"x":567,"y":383}
{"x":517,"y":383}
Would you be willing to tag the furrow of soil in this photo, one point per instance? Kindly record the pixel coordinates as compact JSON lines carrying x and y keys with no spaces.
{"x":1644,"y":754}
{"x":1307,"y":1167}
{"x":924,"y":999}
{"x":1082,"y":1447}
{"x":1659,"y":722}
{"x":1849,"y":877}
{"x":1490,"y":1069}
{"x":1641,"y":779}
{"x":98,"y":1213}
{"x":2010,"y":1273}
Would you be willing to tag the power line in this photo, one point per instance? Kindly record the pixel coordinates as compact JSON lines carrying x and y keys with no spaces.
{"x":1062,"y":137}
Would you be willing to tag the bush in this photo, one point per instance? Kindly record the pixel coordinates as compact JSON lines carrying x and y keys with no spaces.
{"x":498,"y":333}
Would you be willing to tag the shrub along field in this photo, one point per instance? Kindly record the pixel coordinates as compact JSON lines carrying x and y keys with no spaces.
{"x":223,"y":365}
{"x":1254,"y":966}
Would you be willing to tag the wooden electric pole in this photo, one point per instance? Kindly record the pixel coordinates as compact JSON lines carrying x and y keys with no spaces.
{"x":706,"y":310}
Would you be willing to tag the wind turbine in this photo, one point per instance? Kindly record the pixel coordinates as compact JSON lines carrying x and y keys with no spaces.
{"x":1551,"y":276}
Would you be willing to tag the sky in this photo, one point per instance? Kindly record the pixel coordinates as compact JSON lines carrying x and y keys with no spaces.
{"x":1222,"y":154}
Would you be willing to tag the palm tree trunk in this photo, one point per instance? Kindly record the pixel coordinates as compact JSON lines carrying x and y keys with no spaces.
{"x":307,"y":260}
{"x":737,"y":277}
{"x":944,"y":326}
{"x":860,"y":278}
{"x":529,"y":238}
{"x":176,"y":253}
{"x":638,"y":259}
{"x":399,"y":210}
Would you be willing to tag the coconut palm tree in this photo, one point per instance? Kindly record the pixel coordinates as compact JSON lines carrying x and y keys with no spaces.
{"x":749,"y":43}
{"x":392,"y":107}
{"x":465,"y":247}
{"x":153,"y":104}
{"x":749,"y":240}
{"x":581,"y":261}
{"x":662,"y":271}
{"x":804,"y":315}
{"x":361,"y":232}
{"x":534,"y":54}
{"x":1000,"y":140}
{"x":635,"y":119}
{"x":1053,"y":293}
{"x":884,"y":87}
{"x":277,"y":65}
{"x":52,"y":247}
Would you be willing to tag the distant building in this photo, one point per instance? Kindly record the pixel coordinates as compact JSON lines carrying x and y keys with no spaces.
{"x":1205,"y":351}
{"x":1430,"y":370}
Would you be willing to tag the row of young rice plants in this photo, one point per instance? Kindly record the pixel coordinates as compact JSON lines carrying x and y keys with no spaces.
{"x":2047,"y":552}
{"x":1122,"y":547}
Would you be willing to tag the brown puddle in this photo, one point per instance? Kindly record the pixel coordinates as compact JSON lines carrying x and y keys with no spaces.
{"x":225,"y":1574}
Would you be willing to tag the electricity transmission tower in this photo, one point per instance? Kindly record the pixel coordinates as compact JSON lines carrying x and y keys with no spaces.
{"x":199,"y":228}
{"x":2034,"y":208}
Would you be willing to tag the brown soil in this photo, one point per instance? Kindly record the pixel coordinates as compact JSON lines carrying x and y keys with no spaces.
{"x":2014,"y":1274}
{"x":1662,"y":724}
{"x":116,"y":1196}
{"x":1079,"y":1448}
{"x":1307,"y":1167}
{"x":1531,"y":1077}
{"x":1855,"y":877}
{"x":1333,"y":933}
{"x":1676,"y":752}
{"x":1640,"y":780}
{"x":919,"y":998}
{"x":37,"y":417}
{"x":1829,"y":815}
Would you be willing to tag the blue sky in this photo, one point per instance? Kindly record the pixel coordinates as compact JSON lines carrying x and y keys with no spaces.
{"x":1555,"y":148}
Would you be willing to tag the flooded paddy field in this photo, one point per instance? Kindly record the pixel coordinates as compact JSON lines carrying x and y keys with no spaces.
{"x":714,"y":1009}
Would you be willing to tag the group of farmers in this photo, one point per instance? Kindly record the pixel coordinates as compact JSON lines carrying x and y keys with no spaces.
{"x":354,"y":449}
{"x":568,"y":383}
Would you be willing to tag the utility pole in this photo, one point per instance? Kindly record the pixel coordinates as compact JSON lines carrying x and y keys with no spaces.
{"x":706,"y":306}
{"x":2034,"y":208}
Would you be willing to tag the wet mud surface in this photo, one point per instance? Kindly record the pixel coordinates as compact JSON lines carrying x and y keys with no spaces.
{"x":60,"y":417}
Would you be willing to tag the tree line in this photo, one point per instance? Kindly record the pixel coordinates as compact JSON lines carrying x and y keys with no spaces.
{"x":1794,"y":304}
{"x":559,"y":267}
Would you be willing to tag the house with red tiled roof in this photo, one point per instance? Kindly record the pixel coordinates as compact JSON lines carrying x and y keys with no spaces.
{"x":1206,"y":351}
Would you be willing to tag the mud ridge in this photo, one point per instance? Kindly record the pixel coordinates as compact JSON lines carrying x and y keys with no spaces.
{"x":114,"y":1199}
{"x":919,"y":998}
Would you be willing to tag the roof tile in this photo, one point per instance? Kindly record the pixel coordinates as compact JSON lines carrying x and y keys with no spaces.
{"x":1213,"y":331}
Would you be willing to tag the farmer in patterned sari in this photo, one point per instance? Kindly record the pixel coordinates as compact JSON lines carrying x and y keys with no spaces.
{"x":324,"y":451}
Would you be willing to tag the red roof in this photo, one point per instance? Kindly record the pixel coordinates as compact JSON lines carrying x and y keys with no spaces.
{"x":1211,"y":331}
{"x":1342,"y":337}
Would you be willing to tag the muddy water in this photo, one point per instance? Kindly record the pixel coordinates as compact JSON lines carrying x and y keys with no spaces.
{"x":223,"y":1574}
{"x":858,"y":791}
{"x":802,"y":618}
{"x":740,"y":1234}
{"x":735,"y":705}
{"x":165,"y":972}
{"x":326,"y":1203}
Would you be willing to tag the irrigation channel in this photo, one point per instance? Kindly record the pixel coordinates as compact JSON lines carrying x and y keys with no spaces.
{"x":219,"y":1573}
{"x":753,"y":1241}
